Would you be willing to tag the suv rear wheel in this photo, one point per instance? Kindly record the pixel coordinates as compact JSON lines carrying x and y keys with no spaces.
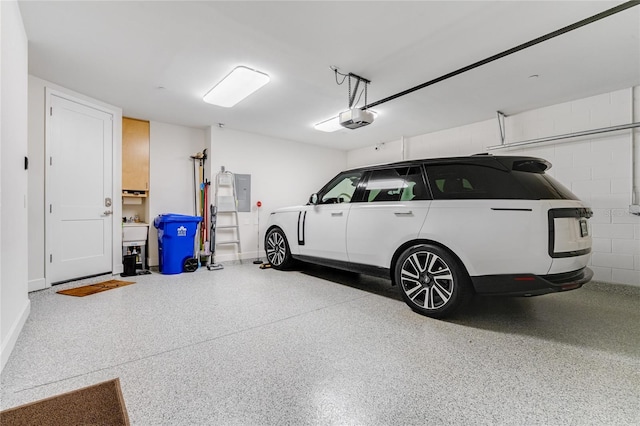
{"x":431,"y":280}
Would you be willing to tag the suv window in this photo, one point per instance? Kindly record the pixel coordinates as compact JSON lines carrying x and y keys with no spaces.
{"x":465,"y":181}
{"x":397,"y":184}
{"x":541,"y":186}
{"x":341,"y":188}
{"x":471,"y":181}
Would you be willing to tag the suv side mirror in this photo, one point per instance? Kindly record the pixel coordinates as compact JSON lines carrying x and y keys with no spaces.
{"x":313,"y":199}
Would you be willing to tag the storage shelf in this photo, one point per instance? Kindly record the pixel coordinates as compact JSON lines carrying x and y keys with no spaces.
{"x":134,"y":194}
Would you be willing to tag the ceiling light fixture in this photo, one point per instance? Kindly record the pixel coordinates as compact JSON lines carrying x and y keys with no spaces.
{"x":330,"y":125}
{"x":333,"y":124}
{"x":237,"y":85}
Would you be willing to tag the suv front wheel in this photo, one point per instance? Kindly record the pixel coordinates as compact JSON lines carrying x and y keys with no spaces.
{"x":431,"y":280}
{"x":277,"y":249}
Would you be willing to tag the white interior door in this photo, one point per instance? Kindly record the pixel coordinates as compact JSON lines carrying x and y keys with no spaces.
{"x":79,"y":191}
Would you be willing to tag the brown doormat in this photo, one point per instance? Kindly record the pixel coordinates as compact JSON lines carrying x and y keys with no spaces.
{"x":100,"y":404}
{"x":95,"y":288}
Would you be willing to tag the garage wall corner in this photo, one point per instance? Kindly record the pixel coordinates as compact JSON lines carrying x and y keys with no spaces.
{"x":283,"y":173}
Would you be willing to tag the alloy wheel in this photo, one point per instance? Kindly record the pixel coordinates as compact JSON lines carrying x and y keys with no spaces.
{"x":276,"y":248}
{"x":427,"y":280}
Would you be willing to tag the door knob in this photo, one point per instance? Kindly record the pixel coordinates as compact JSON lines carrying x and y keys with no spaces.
{"x":107,"y":212}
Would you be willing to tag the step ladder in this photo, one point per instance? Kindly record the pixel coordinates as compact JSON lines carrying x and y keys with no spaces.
{"x":226,"y":200}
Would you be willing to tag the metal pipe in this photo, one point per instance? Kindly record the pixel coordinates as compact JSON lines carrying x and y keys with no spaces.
{"x":582,"y":23}
{"x":503,"y":130}
{"x":566,"y":136}
{"x":635,"y":159}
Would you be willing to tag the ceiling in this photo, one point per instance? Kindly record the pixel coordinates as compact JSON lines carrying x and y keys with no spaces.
{"x":157,"y":59}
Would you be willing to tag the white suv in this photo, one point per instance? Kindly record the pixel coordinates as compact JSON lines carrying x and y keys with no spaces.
{"x":442,"y":229}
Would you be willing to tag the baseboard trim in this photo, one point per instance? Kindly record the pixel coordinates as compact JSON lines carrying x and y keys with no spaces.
{"x":231,"y":258}
{"x":10,"y":342}
{"x":37,"y":284}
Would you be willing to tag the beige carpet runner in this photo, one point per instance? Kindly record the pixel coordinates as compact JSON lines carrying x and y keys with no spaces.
{"x":100,"y":404}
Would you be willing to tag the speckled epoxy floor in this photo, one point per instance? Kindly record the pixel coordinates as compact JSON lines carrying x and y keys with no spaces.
{"x":244,"y":346}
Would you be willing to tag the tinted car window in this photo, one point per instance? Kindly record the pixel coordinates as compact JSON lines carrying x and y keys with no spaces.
{"x":416,"y":188}
{"x":543,"y":187}
{"x":397,"y":184}
{"x":341,"y":188}
{"x":466,"y":181}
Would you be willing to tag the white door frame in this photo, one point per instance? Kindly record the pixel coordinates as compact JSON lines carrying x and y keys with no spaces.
{"x":116,"y":240}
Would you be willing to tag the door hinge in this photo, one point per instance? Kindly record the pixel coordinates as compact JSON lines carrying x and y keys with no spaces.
{"x":51,"y":161}
{"x":50,"y":258}
{"x":50,"y":208}
{"x":50,"y":110}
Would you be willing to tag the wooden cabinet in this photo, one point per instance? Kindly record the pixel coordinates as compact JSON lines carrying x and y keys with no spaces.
{"x":135,"y":155}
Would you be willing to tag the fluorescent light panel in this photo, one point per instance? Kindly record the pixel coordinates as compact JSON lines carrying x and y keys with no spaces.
{"x":333,"y":124}
{"x":330,"y":125}
{"x":237,"y":85}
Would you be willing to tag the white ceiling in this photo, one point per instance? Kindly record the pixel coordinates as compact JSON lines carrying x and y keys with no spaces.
{"x":123,"y":52}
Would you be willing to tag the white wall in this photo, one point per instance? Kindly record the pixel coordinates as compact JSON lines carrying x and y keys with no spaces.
{"x":465,"y":140}
{"x":171,"y":174}
{"x":14,"y":302}
{"x":282,"y":173}
{"x":36,"y":183}
{"x":598,"y":169}
{"x":36,"y":144}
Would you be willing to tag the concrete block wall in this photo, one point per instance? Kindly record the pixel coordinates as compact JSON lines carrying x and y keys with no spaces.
{"x":598,"y":169}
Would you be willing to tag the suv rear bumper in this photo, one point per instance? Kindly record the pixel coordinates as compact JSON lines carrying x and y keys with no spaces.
{"x":529,"y":284}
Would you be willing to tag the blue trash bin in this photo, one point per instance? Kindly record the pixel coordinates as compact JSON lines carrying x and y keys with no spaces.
{"x":176,"y":234}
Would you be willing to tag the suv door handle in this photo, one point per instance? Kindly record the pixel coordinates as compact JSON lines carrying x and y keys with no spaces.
{"x":336,"y":213}
{"x":409,"y":213}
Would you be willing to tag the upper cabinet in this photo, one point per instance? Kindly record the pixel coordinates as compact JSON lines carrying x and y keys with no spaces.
{"x":135,"y":155}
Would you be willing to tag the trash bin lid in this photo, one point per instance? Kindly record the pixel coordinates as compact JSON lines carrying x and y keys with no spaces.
{"x":172,"y":217}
